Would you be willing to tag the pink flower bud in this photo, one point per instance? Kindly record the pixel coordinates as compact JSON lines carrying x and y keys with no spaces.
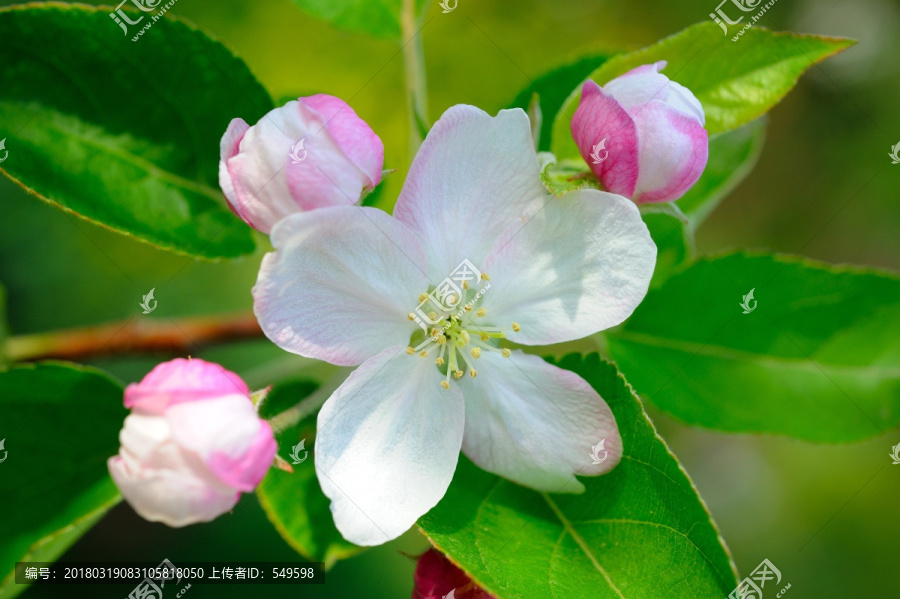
{"x":192,"y":443}
{"x":436,"y":577}
{"x":642,"y":135}
{"x":311,"y":153}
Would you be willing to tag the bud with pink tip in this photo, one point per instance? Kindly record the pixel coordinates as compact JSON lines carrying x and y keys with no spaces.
{"x":313,"y":152}
{"x":642,"y":135}
{"x":191,"y":445}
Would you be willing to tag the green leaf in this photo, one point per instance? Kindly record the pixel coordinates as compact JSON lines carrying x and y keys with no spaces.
{"x":732,"y":156}
{"x":379,"y":18}
{"x":818,"y":358}
{"x":641,"y":529}
{"x":123,"y":133}
{"x":736,"y":82}
{"x":61,"y":423}
{"x":294,"y":501}
{"x":4,"y":328}
{"x":668,"y":227}
{"x":553,"y":88}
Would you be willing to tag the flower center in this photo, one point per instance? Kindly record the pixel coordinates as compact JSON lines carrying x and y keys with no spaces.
{"x":459,"y":331}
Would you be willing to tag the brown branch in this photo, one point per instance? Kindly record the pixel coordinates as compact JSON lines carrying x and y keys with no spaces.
{"x":134,"y":336}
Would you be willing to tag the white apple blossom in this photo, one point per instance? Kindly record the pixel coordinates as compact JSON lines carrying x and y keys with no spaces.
{"x":344,"y":281}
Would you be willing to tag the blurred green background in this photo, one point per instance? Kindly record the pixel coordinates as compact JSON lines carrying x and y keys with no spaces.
{"x":826,"y":516}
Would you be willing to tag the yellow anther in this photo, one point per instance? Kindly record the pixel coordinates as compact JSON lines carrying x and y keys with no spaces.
{"x":442,"y":339}
{"x":485,"y":336}
{"x":423,"y":354}
{"x":423,"y":297}
{"x":410,"y":350}
{"x":506,"y":352}
{"x":516,"y":327}
{"x":452,"y":300}
{"x":433,"y":316}
{"x":485,"y":277}
{"x":473,"y":373}
{"x":458,"y":374}
{"x":445,"y":384}
{"x":411,"y":316}
{"x":476,"y":352}
{"x":481,"y":312}
{"x":439,"y":361}
{"x":465,"y":284}
{"x":464,"y":335}
{"x":468,"y":308}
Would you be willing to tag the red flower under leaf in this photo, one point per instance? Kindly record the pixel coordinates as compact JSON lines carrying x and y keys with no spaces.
{"x":436,"y":577}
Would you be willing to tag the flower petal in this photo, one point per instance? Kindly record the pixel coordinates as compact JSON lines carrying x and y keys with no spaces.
{"x":236,"y":446}
{"x":340,"y":284}
{"x":581,"y":265}
{"x":258,"y":181}
{"x":536,"y":424}
{"x":601,"y":119}
{"x":350,"y":133}
{"x":674,"y":149}
{"x":176,"y":498}
{"x":387,"y":445}
{"x":473,"y":176}
{"x":646,"y":83}
{"x":179,"y":381}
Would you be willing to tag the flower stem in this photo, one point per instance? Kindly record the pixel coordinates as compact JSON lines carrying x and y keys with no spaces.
{"x":133,"y":336}
{"x":416,"y":84}
{"x":309,"y":405}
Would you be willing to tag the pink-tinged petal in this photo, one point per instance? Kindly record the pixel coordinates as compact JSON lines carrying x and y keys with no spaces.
{"x":601,"y":120}
{"x":436,"y":576}
{"x":674,"y":149}
{"x":340,"y":284}
{"x":229,"y":148}
{"x":581,"y":265}
{"x":473,"y":176}
{"x":536,"y":424}
{"x":645,"y":83}
{"x":325,"y":177}
{"x":258,"y":171}
{"x":229,"y":437}
{"x":176,"y":498}
{"x":350,"y":133}
{"x":387,"y":445}
{"x":181,"y":380}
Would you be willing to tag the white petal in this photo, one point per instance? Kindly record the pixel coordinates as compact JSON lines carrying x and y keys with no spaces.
{"x":340,"y":284}
{"x":581,"y":265}
{"x":174,"y":497}
{"x":473,"y":176}
{"x":536,"y":424}
{"x":387,"y":445}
